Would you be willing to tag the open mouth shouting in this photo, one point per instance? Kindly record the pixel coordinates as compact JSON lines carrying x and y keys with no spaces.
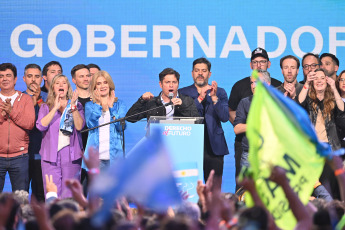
{"x":61,"y":92}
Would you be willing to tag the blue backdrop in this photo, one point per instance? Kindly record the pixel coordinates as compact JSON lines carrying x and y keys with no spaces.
{"x":135,"y":40}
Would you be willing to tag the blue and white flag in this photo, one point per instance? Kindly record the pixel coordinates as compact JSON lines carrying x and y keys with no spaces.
{"x":66,"y":121}
{"x":187,"y":175}
{"x":145,"y":176}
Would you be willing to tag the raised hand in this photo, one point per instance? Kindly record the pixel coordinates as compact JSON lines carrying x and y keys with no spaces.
{"x":111,"y":99}
{"x":278,"y":175}
{"x":290,"y":89}
{"x":203,"y":91}
{"x":74,"y":97}
{"x":204,"y":191}
{"x":77,"y":191}
{"x":147,"y":96}
{"x":248,"y":184}
{"x":209,"y":182}
{"x":93,"y":161}
{"x":36,"y":90}
{"x":6,"y":107}
{"x":331,"y":83}
{"x":310,"y":77}
{"x":176,"y":101}
{"x":125,"y":205}
{"x":96,"y":97}
{"x":214,"y":88}
{"x":57,"y":103}
{"x":50,"y":185}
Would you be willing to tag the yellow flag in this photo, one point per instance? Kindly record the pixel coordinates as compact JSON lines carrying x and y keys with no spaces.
{"x":280,"y":134}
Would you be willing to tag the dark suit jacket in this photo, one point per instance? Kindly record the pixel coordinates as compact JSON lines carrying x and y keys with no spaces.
{"x":214,"y":115}
{"x":187,"y":109}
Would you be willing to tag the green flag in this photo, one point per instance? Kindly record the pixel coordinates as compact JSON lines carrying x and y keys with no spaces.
{"x":280,"y":134}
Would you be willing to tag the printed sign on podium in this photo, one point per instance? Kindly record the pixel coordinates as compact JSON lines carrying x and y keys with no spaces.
{"x":184,"y":137}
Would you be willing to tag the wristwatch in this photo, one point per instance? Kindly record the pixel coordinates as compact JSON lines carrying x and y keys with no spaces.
{"x":215,"y":102}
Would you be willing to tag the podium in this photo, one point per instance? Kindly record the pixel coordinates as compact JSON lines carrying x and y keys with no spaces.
{"x":184,"y":137}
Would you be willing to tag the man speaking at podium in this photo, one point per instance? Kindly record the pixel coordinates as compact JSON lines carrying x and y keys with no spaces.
{"x":170,"y":102}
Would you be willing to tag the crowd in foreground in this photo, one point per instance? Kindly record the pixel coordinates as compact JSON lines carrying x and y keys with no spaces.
{"x":214,"y":210}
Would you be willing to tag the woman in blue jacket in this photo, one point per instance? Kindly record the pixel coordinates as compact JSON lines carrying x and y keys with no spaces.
{"x":103,"y":108}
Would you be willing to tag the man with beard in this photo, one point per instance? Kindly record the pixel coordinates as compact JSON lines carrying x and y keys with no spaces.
{"x":310,"y":62}
{"x":212,"y":104}
{"x":242,"y":89}
{"x":290,"y":67}
{"x":240,"y":123}
{"x":330,"y":64}
{"x":33,"y":79}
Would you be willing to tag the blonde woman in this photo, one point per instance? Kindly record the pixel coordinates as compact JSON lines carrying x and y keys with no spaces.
{"x":103,"y":108}
{"x":60,"y":119}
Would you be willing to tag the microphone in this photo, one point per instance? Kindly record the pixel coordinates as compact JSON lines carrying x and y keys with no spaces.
{"x":170,"y":95}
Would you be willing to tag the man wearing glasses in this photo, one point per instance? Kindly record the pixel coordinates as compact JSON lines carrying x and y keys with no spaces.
{"x":240,"y":123}
{"x":310,"y":62}
{"x":241,"y":89}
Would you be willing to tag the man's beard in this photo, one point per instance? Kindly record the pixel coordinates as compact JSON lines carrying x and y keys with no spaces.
{"x":292,"y":80}
{"x":327,"y":73}
{"x":200,"y":84}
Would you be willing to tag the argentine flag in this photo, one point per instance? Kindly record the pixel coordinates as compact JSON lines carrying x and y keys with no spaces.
{"x":145,"y":176}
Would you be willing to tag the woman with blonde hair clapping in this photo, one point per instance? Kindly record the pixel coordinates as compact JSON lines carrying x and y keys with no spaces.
{"x":60,"y":119}
{"x":103,"y":108}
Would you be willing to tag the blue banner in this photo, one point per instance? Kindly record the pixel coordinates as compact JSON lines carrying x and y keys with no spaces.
{"x":135,"y":40}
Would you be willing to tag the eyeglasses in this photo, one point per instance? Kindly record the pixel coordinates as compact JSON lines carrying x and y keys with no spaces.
{"x":342,"y":80}
{"x":312,"y":66}
{"x":262,"y":62}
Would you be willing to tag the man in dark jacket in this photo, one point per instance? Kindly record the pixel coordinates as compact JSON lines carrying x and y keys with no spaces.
{"x":170,"y":102}
{"x":212,"y":104}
